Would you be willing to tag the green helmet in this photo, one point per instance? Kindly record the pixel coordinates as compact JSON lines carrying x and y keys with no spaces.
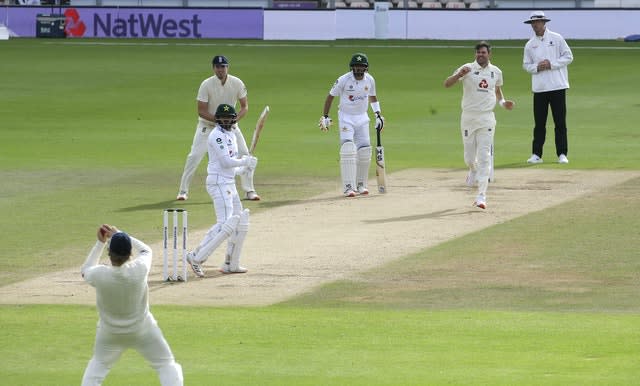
{"x":226,"y":116}
{"x":359,"y":58}
{"x":225,"y":110}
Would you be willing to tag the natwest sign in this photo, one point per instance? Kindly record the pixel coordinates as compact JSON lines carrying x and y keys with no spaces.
{"x":93,"y":22}
{"x":144,"y":25}
{"x":173,"y":23}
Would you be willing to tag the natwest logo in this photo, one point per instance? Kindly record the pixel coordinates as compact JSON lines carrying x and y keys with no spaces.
{"x":73,"y":26}
{"x":145,"y":25}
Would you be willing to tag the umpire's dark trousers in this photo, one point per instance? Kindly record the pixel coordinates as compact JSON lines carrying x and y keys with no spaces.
{"x":541,"y":102}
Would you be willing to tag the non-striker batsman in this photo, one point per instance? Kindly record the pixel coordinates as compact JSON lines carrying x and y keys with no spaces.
{"x":356,"y":89}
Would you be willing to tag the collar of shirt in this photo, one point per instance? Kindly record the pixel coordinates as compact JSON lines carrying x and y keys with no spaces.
{"x":477,"y":67}
{"x":544,"y":35}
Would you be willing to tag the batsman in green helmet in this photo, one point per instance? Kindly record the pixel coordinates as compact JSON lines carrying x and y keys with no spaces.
{"x":357,"y":90}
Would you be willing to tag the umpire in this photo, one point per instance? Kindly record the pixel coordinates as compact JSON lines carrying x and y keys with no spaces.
{"x":546,"y":57}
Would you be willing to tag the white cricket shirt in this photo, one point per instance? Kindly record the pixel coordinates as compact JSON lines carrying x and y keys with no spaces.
{"x":553,"y":47}
{"x":479,"y":87}
{"x":223,"y":151}
{"x":215,"y":93}
{"x":354,"y":94}
{"x":121,"y":292}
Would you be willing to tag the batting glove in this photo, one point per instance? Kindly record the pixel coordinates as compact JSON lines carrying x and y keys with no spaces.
{"x":379,"y":121}
{"x":250,"y":161}
{"x":324,"y":123}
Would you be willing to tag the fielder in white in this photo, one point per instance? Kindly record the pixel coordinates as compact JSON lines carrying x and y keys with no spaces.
{"x":481,"y":88}
{"x":232,"y":221}
{"x":215,"y":90}
{"x":356,"y":89}
{"x":122,"y":298}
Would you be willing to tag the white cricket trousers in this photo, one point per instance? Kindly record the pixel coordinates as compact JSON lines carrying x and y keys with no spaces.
{"x":477,"y":131}
{"x":354,"y":128}
{"x":224,"y":196}
{"x":148,"y":341}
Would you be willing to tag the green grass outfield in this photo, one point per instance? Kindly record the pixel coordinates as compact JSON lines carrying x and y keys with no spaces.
{"x":97,"y":131}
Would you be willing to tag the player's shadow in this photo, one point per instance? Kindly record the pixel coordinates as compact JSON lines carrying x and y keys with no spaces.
{"x":433,"y":215}
{"x":277,"y":204}
{"x":162,"y":205}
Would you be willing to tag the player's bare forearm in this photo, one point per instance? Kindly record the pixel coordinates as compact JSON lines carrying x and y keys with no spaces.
{"x":453,"y":79}
{"x":244,"y":108}
{"x":327,"y":105}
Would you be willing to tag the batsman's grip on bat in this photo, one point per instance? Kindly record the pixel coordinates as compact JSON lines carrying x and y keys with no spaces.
{"x":250,"y":161}
{"x":324,"y":123}
{"x":379,"y":121}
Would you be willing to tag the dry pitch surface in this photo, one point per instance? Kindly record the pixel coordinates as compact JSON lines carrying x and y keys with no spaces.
{"x":294,"y":248}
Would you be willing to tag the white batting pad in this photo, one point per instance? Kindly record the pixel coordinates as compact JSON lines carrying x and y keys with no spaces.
{"x":348,"y":165}
{"x":236,"y":240}
{"x":364,"y":162}
{"x":214,"y":237}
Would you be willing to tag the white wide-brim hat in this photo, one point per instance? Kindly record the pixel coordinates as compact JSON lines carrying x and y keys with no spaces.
{"x":536,"y":15}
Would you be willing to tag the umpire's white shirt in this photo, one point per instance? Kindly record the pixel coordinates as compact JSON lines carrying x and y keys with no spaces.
{"x":553,"y":47}
{"x":479,"y":87}
{"x":354,"y":94}
{"x":213,"y":92}
{"x":121,"y":292}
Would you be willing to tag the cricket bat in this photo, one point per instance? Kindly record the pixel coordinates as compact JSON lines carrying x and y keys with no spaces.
{"x":259,"y":125}
{"x":381,"y":174}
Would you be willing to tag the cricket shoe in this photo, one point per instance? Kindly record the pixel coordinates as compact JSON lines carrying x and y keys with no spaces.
{"x":362,"y":190}
{"x":225,"y":269}
{"x":534,"y":159}
{"x":562,"y":159}
{"x":182,"y":196}
{"x":471,"y":178}
{"x":253,"y":196}
{"x":349,"y":193}
{"x":480,"y":202}
{"x":197,"y":268}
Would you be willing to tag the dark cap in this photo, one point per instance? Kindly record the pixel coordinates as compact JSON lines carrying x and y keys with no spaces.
{"x":220,"y":60}
{"x":120,"y":244}
{"x":536,"y":15}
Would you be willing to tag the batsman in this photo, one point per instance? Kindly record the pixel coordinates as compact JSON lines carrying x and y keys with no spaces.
{"x":220,"y":88}
{"x":356,"y":89}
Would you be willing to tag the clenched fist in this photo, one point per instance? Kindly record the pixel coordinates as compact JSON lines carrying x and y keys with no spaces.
{"x":379,"y":121}
{"x":105,"y":231}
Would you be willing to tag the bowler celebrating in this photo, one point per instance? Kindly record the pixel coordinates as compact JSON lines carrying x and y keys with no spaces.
{"x":481,"y":88}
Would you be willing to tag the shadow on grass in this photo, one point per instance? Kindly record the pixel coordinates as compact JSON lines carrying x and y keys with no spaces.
{"x":439,"y":214}
{"x":276,"y":204}
{"x":163,"y":205}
